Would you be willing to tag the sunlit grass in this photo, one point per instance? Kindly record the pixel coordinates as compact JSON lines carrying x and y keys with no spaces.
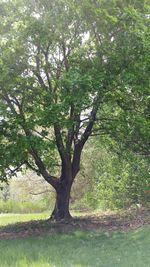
{"x":13,"y":218}
{"x":9,"y":218}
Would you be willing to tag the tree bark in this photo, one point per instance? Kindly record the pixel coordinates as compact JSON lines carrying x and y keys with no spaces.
{"x":61,"y":209}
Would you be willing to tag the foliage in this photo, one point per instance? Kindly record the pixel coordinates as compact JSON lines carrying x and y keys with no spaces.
{"x":117,"y":179}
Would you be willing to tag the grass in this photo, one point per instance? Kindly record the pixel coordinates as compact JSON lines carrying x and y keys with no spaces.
{"x":9,"y":218}
{"x":77,"y":248}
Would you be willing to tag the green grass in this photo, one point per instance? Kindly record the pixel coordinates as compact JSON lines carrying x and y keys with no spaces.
{"x":77,"y":249}
{"x":9,"y":218}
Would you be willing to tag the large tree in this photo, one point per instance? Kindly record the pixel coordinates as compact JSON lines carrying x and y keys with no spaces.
{"x":68,"y":70}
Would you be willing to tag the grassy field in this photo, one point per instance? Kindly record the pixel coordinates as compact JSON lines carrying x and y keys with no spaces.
{"x":77,"y":248}
{"x":6,"y":219}
{"x":9,"y":218}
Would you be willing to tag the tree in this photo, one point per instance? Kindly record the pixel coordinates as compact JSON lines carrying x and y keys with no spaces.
{"x":68,"y":70}
{"x":117,"y":178}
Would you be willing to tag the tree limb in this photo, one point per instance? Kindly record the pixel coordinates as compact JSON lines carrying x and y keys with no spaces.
{"x":59,"y":142}
{"x":39,"y":163}
{"x":92,"y":119}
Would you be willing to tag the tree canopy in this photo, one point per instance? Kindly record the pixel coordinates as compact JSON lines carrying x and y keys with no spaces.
{"x":70,"y":70}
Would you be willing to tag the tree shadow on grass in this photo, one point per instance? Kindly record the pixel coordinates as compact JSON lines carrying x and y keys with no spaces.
{"x":104,"y":222}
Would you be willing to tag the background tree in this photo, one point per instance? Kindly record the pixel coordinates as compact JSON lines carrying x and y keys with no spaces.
{"x":117,"y":178}
{"x":68,"y":70}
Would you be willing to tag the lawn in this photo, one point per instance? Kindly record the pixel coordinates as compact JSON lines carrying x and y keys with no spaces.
{"x":78,"y":248}
{"x":9,"y":218}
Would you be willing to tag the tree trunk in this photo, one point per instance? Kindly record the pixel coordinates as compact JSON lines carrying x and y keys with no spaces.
{"x":61,"y":209}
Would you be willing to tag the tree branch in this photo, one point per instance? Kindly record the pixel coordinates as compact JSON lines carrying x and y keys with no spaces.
{"x":16,"y":169}
{"x":65,"y":55}
{"x":39,"y":163}
{"x":59,"y":142}
{"x":76,"y":159}
{"x":39,"y":193}
{"x":70,"y":134}
{"x":41,"y":134}
{"x":92,"y":119}
{"x":31,"y":167}
{"x":11,"y":106}
{"x":37,"y":70}
{"x":46,"y":71}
